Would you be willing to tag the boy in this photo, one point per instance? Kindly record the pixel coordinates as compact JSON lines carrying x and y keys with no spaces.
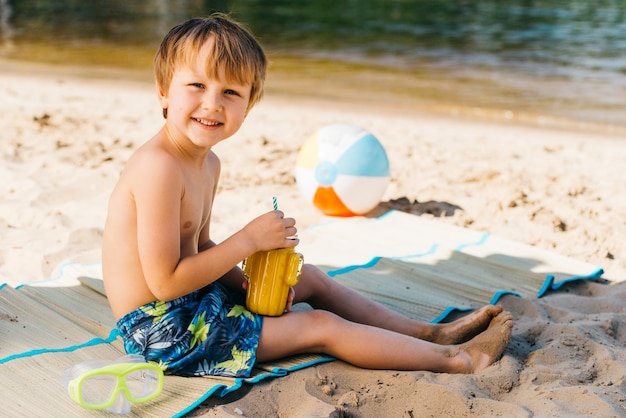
{"x":178,"y":297}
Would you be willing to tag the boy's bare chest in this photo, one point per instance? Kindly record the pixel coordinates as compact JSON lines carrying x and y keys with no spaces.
{"x":196,"y":203}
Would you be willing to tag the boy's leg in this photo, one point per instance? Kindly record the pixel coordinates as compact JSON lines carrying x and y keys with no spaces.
{"x":376,"y":348}
{"x":322,"y":292}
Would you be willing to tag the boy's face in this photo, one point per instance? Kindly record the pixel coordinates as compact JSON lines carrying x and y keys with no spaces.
{"x":203,"y":109}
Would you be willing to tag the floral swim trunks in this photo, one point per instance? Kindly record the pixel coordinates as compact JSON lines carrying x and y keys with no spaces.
{"x":207,"y":332}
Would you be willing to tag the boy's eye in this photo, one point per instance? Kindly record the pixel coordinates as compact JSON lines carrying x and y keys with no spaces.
{"x":229,"y":91}
{"x":198,"y":85}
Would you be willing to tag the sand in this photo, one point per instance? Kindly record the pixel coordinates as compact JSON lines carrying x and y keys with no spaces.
{"x":66,"y":138}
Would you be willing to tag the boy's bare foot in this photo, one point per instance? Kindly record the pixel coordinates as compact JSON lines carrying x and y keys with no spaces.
{"x":486,"y":348}
{"x":465,"y":328}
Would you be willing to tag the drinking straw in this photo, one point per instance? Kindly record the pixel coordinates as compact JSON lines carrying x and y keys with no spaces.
{"x":275,"y":203}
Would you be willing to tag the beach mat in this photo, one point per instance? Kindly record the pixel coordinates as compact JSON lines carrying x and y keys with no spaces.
{"x":421,"y":268}
{"x":46,"y":329}
{"x":426,"y":269}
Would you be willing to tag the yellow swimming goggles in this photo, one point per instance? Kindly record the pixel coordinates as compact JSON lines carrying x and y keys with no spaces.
{"x":114,"y":385}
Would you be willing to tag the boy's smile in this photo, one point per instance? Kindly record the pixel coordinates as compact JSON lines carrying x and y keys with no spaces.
{"x":207,"y":122}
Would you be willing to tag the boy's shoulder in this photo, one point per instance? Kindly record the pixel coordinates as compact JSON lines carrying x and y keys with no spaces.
{"x":155,"y":159}
{"x":153,"y":156}
{"x":150,"y":162}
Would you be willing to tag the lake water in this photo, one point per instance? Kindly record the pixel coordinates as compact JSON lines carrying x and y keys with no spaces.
{"x":542,"y":60}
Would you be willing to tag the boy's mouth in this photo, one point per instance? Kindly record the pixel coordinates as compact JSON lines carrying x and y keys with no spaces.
{"x":207,"y":122}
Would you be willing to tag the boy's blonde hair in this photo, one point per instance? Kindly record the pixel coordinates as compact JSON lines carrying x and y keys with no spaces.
{"x":234,"y":50}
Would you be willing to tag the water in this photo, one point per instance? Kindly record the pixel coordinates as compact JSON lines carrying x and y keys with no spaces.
{"x":544,"y":61}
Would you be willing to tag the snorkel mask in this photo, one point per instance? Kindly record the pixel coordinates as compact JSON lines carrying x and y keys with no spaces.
{"x":114,"y":385}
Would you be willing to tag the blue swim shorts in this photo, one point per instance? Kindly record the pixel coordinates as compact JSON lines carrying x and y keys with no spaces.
{"x":207,"y":332}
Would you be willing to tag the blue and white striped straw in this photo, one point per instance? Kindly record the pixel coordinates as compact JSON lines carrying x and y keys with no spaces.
{"x":275,"y":203}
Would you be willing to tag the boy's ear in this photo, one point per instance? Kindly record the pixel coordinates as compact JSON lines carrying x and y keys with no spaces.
{"x":162,"y":100}
{"x":162,"y":97}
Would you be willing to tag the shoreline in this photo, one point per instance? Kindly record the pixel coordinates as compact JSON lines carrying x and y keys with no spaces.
{"x":340,"y":89}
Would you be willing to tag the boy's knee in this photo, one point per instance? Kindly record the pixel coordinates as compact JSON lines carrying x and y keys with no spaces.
{"x":315,"y":280}
{"x":324,"y":319}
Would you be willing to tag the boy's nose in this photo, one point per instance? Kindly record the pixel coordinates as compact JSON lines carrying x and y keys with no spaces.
{"x":212,"y":102}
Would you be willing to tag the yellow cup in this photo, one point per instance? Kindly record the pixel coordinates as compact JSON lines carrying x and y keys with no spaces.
{"x":270,"y":274}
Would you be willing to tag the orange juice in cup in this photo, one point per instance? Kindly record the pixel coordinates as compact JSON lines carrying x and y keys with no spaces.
{"x":270,"y":274}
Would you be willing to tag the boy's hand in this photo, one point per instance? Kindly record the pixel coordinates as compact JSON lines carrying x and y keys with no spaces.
{"x":272,"y":230}
{"x":290,"y":298}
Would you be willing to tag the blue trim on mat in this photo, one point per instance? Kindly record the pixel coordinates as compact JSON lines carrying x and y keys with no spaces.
{"x":347,"y":269}
{"x":550,"y":285}
{"x":375,"y":260}
{"x":60,"y":274}
{"x":496,"y":297}
{"x":433,"y":249}
{"x":283,"y":371}
{"x":95,"y":341}
{"x":448,"y":311}
{"x":480,"y":241}
{"x":206,"y":396}
{"x":384,"y":215}
{"x":224,"y":389}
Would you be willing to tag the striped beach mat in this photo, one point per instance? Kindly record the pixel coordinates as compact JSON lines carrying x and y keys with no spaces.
{"x":421,"y":268}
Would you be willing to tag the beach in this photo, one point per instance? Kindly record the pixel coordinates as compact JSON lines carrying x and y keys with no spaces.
{"x":66,"y":137}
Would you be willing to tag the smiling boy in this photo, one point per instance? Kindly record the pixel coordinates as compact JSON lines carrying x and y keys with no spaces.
{"x":178,"y":297}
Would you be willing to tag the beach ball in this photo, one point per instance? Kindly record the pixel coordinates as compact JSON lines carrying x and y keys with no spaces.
{"x":343,"y":170}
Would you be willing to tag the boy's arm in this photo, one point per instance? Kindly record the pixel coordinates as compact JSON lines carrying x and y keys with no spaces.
{"x":169,"y":273}
{"x":234,"y":279}
{"x":193,"y":272}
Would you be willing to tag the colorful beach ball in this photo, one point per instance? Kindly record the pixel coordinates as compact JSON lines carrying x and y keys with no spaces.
{"x":343,"y":170}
